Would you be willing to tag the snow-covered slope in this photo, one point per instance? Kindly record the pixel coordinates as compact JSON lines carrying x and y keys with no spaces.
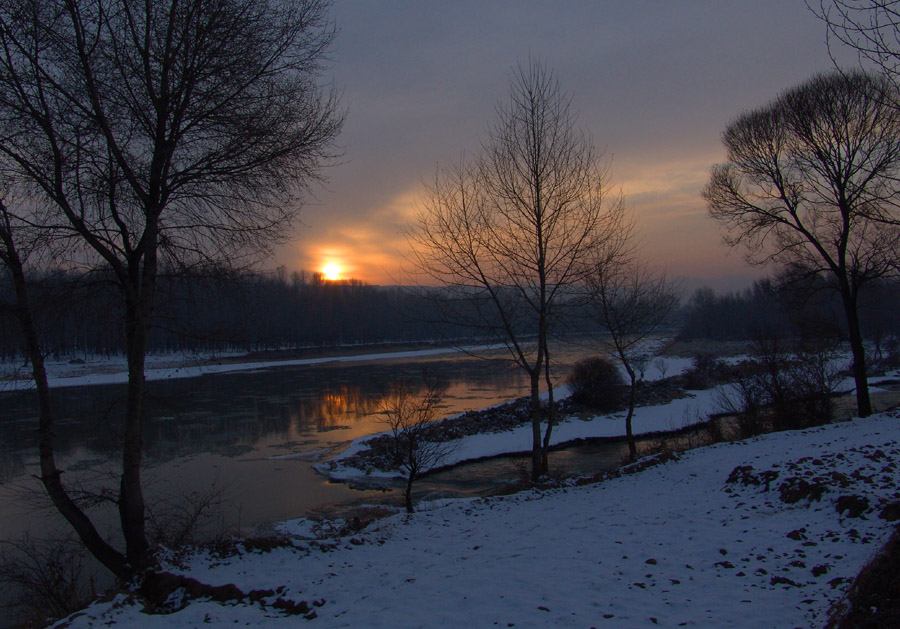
{"x":677,"y":544}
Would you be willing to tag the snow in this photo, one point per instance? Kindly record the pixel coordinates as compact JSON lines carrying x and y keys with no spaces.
{"x":675,"y":544}
{"x":666,"y":367}
{"x":677,"y":414}
{"x":97,"y":371}
{"x":305,"y":528}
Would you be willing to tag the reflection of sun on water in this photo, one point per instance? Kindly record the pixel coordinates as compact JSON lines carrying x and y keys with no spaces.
{"x":331,"y":271}
{"x":346,"y":407}
{"x":335,"y":403}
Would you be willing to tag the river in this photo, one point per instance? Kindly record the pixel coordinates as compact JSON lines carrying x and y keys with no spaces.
{"x":252,"y":437}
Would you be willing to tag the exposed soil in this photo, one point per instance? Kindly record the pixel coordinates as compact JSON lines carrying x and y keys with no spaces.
{"x":873,"y":601}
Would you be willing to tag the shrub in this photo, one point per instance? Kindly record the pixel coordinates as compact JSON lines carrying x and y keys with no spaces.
{"x":705,"y":372}
{"x":706,"y":364}
{"x":745,"y":399}
{"x":892,"y":349}
{"x":187,"y":518}
{"x":886,"y":355}
{"x":810,"y":381}
{"x":597,"y":382}
{"x":784,"y":391}
{"x":42,"y":579}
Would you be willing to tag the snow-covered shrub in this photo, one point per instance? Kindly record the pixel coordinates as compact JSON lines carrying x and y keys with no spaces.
{"x":596,"y":382}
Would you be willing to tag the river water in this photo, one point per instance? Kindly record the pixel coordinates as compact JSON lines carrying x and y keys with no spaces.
{"x":251,"y":437}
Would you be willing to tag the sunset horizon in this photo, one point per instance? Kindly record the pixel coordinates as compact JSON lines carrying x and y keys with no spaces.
{"x":651,"y":89}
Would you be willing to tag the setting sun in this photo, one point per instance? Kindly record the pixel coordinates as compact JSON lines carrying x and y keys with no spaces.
{"x":331,"y":271}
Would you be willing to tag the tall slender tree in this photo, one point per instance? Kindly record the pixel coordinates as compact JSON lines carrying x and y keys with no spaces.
{"x":630,"y":304}
{"x":506,"y":234}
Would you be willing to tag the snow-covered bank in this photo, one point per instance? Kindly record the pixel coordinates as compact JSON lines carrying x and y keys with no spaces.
{"x":671,"y":416}
{"x":691,"y":542}
{"x":115,"y":370}
{"x":667,"y":417}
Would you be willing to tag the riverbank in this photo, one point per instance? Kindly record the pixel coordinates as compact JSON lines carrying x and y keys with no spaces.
{"x":614,"y":425}
{"x":505,"y":429}
{"x":764,"y":532}
{"x":665,"y":405}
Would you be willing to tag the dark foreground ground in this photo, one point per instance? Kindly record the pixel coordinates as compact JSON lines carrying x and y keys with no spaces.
{"x":873,"y":601}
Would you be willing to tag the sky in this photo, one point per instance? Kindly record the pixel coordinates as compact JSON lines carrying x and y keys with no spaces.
{"x":654,"y":83}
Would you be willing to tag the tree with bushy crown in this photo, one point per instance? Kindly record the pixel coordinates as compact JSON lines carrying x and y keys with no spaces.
{"x":810,"y":182}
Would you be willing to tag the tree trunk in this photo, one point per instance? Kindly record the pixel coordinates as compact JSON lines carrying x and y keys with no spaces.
{"x":409,"y":486}
{"x":863,"y":402}
{"x":138,"y":309}
{"x":551,"y":417}
{"x":632,"y":446}
{"x":535,"y":425}
{"x":131,"y":497}
{"x":113,"y":560}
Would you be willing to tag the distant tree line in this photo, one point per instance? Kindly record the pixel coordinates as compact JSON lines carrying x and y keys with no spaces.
{"x":81,"y":314}
{"x":799,"y":308}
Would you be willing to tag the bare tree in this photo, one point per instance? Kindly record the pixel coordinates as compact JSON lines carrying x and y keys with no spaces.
{"x":631,"y":304}
{"x":505,"y":233}
{"x":162,"y":135}
{"x":870,"y":27}
{"x":409,"y":415}
{"x":810,"y":182}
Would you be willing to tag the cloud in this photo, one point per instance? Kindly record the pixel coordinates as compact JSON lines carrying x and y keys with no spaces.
{"x":654,"y":84}
{"x":368,"y":247}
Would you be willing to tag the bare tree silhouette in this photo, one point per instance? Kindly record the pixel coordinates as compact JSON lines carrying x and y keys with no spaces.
{"x":181,"y":134}
{"x":506,"y":233}
{"x":810,"y":182}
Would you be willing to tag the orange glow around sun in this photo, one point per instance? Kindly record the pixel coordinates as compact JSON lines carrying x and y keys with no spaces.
{"x":331,"y":271}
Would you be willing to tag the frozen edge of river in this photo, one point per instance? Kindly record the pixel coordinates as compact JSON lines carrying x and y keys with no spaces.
{"x":114,"y":370}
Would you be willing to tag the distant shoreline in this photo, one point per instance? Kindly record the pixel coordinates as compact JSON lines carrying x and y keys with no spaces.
{"x":113,"y":370}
